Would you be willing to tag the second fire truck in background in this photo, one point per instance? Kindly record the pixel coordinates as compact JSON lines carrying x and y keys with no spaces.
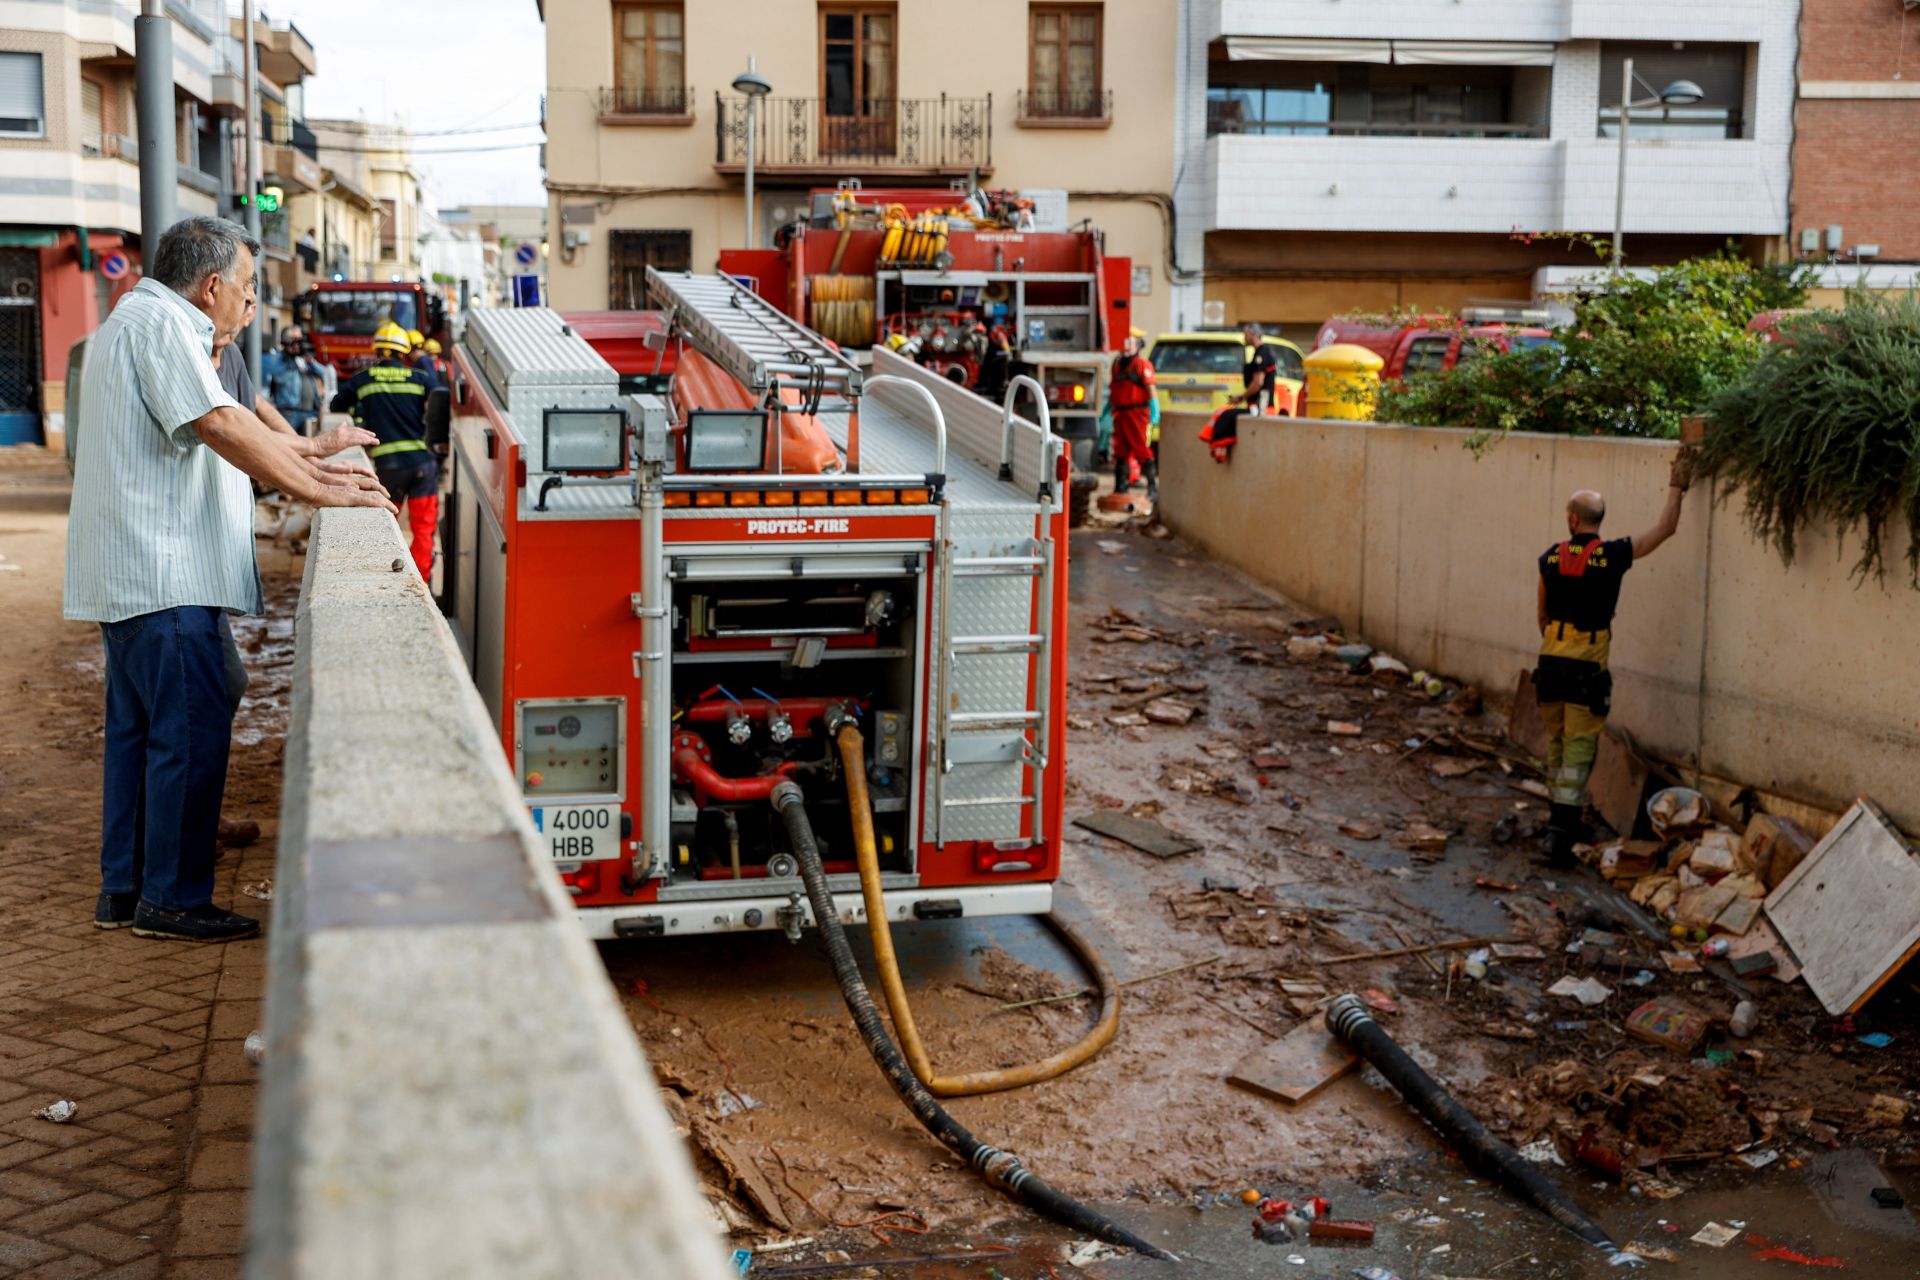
{"x":962,"y":283}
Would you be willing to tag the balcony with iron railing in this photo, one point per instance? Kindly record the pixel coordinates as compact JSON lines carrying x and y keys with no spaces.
{"x":827,"y":138}
{"x":642,"y":105}
{"x":1072,"y":109}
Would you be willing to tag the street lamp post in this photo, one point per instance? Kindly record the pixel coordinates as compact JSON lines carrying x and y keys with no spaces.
{"x":1680,"y":93}
{"x":753,"y":86}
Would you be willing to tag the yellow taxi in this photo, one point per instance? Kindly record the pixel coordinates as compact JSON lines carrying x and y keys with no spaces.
{"x":1201,"y":372}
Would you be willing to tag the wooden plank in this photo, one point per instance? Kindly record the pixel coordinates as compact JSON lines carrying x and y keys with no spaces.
{"x":1851,"y":909}
{"x":1297,"y":1065}
{"x":1142,"y":834}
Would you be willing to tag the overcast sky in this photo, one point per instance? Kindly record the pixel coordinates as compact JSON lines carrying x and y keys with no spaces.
{"x":434,"y":65}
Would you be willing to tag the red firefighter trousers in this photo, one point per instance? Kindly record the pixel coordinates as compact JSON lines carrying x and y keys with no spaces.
{"x":1130,"y":435}
{"x":416,"y":491}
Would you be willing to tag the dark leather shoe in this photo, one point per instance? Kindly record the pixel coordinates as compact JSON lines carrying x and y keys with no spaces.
{"x":115,"y":910}
{"x":196,"y":924}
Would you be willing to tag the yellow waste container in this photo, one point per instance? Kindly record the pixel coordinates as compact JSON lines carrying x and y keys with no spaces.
{"x":1343,"y":381}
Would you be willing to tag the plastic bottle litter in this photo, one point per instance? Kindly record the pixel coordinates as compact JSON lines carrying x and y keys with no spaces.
{"x":255,"y":1048}
{"x":1715,"y":947}
{"x":58,"y":1112}
{"x":1744,"y":1018}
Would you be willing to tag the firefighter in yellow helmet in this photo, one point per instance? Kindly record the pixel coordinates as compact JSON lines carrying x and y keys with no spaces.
{"x":389,"y":398}
{"x":419,"y":357}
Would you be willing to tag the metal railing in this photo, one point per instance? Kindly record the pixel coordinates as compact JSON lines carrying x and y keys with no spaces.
{"x":1052,"y":104}
{"x":1218,"y":124}
{"x":821,"y":133}
{"x":641,"y":100}
{"x":305,"y":141}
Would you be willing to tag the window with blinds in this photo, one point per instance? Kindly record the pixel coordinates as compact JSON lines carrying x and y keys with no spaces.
{"x":91,"y":124}
{"x":23,"y":110}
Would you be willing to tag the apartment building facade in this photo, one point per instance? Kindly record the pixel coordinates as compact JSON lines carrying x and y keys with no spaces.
{"x":1855,"y":168}
{"x":1383,"y":153}
{"x":69,"y":171}
{"x":645,"y":158}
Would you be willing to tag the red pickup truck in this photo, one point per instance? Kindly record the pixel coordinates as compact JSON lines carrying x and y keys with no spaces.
{"x":1433,"y":342}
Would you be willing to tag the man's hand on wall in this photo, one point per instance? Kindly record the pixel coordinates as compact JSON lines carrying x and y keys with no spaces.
{"x":1680,"y":476}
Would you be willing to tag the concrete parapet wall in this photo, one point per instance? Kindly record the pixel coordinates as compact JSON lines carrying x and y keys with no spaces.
{"x":1797,"y":680}
{"x":450,"y":1087}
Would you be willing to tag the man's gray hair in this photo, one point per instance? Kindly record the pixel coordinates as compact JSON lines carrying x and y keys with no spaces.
{"x":194,"y":248}
{"x":1252,"y":328}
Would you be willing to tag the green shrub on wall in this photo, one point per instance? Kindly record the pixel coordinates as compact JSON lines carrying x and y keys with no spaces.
{"x":1823,"y":427}
{"x":1636,"y":358}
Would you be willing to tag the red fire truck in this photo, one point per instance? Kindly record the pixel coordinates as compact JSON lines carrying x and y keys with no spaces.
{"x":959,"y":282}
{"x":673,"y":602}
{"x":341,"y":317}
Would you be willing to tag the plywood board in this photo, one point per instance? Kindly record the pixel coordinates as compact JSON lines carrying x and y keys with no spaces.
{"x":1297,"y":1065}
{"x":1618,"y":786}
{"x":1149,"y":837}
{"x":1851,"y":909}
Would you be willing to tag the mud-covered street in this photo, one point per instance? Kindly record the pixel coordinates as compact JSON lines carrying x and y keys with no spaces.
{"x":1317,"y":845}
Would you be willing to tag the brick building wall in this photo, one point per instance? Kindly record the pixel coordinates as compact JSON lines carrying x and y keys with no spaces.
{"x":1854,"y":160}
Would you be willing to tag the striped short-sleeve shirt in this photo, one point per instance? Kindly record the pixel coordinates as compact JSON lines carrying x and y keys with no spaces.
{"x":157,"y":520}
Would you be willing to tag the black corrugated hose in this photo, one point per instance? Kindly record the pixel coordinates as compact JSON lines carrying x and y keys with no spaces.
{"x":1001,"y":1169}
{"x":1347,"y":1018}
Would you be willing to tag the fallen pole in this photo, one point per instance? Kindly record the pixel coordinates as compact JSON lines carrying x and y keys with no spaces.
{"x":1456,"y":945}
{"x":1349,"y":1020}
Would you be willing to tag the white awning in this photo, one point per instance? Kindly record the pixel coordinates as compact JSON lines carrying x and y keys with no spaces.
{"x":1472,"y":53}
{"x":1287,"y":49}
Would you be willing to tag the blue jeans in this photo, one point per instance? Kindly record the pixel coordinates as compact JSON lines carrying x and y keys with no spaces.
{"x":169,"y":726}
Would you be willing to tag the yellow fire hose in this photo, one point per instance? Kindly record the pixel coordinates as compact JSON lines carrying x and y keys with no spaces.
{"x":853,"y":762}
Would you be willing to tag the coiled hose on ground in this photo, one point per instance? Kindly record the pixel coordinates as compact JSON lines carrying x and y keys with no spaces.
{"x":1348,"y":1019}
{"x":853,"y":764}
{"x":1001,"y":1169}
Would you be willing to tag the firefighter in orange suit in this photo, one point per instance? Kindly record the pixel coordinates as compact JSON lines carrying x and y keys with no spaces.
{"x":389,"y":399}
{"x":1135,"y":406}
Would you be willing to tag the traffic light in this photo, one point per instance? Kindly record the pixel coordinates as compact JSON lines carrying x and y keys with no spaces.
{"x":267,"y":200}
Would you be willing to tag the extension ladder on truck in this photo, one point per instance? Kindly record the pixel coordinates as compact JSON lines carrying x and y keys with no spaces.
{"x":752,"y":340}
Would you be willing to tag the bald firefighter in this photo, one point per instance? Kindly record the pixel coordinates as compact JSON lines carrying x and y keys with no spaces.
{"x":389,"y":399}
{"x":1579,"y":591}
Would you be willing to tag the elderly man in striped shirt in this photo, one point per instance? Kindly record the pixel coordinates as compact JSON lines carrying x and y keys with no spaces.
{"x":159,"y":548}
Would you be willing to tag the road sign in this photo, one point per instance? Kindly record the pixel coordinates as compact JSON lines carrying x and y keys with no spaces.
{"x":526,"y":253}
{"x":115,"y":265}
{"x":526,"y":291}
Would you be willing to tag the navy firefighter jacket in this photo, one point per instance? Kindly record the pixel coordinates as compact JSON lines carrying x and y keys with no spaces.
{"x":390,"y":400}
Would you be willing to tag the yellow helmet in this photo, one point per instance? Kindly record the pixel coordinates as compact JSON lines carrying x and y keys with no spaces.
{"x":416,"y":337}
{"x":433,"y":346}
{"x":391,"y":337}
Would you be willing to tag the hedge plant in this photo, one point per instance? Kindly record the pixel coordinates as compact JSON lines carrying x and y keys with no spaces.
{"x":1638,"y":356}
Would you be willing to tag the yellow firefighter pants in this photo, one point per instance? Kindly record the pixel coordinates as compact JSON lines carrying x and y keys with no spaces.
{"x":1575,"y":693}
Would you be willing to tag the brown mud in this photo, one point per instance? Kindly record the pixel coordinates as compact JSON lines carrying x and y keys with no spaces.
{"x":1316,"y":845}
